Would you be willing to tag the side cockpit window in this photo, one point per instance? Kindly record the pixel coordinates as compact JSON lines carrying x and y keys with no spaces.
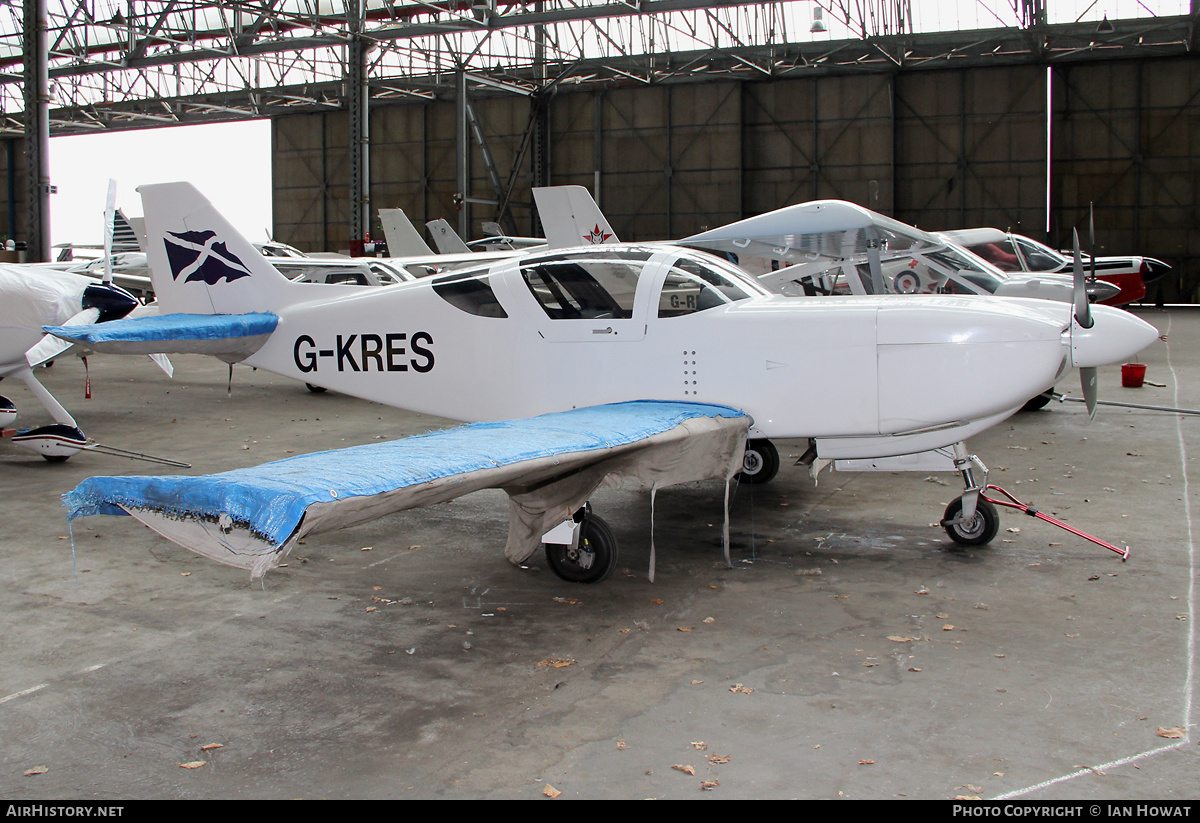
{"x":601,"y":286}
{"x":470,"y":292}
{"x":692,"y":286}
{"x":1000,"y":254}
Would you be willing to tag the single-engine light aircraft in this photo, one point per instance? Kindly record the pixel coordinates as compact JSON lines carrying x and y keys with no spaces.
{"x":833,"y":246}
{"x":33,"y":297}
{"x":1015,"y":253}
{"x":546,"y":338}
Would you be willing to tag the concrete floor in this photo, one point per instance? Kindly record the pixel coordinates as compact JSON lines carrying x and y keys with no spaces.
{"x":852,"y":652}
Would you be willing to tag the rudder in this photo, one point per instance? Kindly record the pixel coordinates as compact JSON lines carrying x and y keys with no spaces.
{"x":199,"y":262}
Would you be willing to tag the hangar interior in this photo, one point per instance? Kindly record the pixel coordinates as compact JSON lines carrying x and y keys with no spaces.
{"x":677,"y":115}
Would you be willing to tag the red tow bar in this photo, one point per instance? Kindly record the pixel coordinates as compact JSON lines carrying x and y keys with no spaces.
{"x":1014,"y":503}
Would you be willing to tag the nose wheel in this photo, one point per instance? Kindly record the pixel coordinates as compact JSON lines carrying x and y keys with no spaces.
{"x":970,"y":520}
{"x":590,"y":557}
{"x":979,"y":529}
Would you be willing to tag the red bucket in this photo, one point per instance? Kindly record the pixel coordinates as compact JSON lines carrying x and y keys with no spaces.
{"x":1132,"y":375}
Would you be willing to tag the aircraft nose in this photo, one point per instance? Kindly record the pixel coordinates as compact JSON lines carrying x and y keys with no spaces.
{"x":965,"y":358}
{"x":1100,"y":290}
{"x":112,"y":301}
{"x":1115,"y":336}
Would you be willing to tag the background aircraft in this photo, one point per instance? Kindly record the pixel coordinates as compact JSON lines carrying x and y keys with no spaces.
{"x":30,"y":298}
{"x":1014,"y":252}
{"x":832,"y":246}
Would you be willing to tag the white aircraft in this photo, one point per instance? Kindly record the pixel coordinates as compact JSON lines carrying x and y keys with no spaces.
{"x":825,"y":247}
{"x":31,"y":298}
{"x":494,"y":239}
{"x":563,"y":334}
{"x":832,"y":245}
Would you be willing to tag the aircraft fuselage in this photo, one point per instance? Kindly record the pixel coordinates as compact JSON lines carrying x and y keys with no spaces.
{"x":513,"y":340}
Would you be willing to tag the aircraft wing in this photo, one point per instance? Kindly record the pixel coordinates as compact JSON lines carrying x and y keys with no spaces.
{"x":549,"y":465}
{"x":231,"y":337}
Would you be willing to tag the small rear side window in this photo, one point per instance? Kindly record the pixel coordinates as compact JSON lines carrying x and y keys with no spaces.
{"x":469,"y":292}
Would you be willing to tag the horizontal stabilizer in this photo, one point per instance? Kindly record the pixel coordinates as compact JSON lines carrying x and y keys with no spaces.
{"x":231,"y":337}
{"x":549,"y":465}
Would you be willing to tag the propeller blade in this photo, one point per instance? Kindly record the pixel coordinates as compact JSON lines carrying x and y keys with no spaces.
{"x":45,"y":349}
{"x":164,"y":363}
{"x":1092,"y":239}
{"x":110,"y":211}
{"x":49,"y":347}
{"x":1083,"y":309}
{"x":1087,"y":379}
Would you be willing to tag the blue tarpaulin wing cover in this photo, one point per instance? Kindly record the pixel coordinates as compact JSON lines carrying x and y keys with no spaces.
{"x":549,"y":465}
{"x":231,"y":336}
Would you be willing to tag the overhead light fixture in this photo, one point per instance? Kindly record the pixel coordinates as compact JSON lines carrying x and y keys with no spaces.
{"x":1105,"y":27}
{"x":818,"y":23}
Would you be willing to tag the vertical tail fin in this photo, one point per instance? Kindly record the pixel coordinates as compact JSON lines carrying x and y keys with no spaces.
{"x":446,"y":238}
{"x":571,"y":217}
{"x":199,"y":262}
{"x":125,"y":236}
{"x":401,"y":237}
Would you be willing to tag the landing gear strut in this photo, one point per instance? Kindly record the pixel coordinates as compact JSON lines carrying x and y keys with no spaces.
{"x":970,"y":520}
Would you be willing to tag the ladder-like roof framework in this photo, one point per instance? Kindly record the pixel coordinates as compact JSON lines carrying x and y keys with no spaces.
{"x":138,"y":63}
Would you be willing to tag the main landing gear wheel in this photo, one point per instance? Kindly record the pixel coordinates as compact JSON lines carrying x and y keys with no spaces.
{"x":981,"y":530}
{"x":761,"y":463}
{"x":1038,"y":401}
{"x":593,"y":560}
{"x":315,"y":389}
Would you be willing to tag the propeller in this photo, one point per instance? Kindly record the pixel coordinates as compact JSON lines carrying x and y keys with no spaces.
{"x":1083,"y":316}
{"x":110,"y":211}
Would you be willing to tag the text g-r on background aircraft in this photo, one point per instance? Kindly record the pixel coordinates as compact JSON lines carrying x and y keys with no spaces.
{"x":568,"y":332}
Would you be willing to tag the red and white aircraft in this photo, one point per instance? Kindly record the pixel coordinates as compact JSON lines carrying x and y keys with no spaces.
{"x":1015,"y":253}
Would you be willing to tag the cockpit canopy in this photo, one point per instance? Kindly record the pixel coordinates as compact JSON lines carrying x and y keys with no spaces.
{"x":602,"y":283}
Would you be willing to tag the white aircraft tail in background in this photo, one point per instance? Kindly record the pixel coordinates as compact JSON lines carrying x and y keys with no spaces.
{"x":401,"y":236}
{"x":571,"y":217}
{"x":446,"y":238}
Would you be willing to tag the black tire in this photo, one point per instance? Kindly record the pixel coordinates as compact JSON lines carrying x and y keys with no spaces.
{"x":56,"y":458}
{"x":1038,"y":401}
{"x":978,"y":532}
{"x":761,"y":463}
{"x":315,"y":389}
{"x":595,"y":559}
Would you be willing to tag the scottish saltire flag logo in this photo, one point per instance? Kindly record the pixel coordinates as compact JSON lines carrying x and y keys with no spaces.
{"x":195,"y":255}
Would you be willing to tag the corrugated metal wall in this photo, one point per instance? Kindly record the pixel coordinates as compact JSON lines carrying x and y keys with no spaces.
{"x":14,"y":206}
{"x":945,"y":148}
